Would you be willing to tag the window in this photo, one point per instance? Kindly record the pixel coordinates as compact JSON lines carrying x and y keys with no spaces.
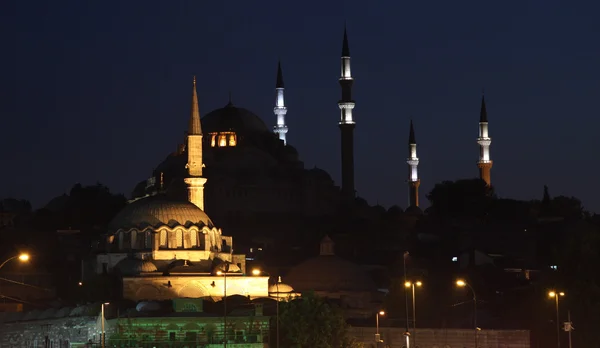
{"x":191,"y":337}
{"x":172,"y":336}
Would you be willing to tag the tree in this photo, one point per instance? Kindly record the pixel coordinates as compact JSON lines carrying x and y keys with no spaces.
{"x":311,"y":322}
{"x":461,"y":198}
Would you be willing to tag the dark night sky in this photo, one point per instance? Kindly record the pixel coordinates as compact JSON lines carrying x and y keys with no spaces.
{"x":100,"y":91}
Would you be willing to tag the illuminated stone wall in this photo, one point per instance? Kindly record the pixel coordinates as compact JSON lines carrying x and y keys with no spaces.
{"x":164,"y":288}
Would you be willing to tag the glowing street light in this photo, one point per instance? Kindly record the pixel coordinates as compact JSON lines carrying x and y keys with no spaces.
{"x":556,"y":294}
{"x":23,"y":257}
{"x":257,"y":272}
{"x":462,"y":283}
{"x":412,"y":285}
{"x":377,"y":335}
{"x":103,"y":320}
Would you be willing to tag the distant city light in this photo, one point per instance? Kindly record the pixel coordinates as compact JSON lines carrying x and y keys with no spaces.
{"x":454,"y":259}
{"x":554,"y":267}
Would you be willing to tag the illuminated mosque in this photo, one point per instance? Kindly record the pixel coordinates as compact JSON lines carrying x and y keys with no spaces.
{"x":164,"y":245}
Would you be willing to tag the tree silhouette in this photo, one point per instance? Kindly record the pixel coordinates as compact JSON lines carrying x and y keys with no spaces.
{"x":311,"y":322}
{"x":461,"y":198}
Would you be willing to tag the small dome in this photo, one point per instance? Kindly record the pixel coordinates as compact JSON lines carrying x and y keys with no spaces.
{"x":221,"y":266}
{"x":157,"y":211}
{"x":131,"y":266}
{"x":233,"y":119}
{"x":280,"y":288}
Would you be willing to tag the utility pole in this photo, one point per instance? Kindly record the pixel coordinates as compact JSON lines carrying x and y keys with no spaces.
{"x":569,"y":327}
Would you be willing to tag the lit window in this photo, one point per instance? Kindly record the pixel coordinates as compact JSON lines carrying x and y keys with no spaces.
{"x":222,"y":140}
{"x":232,"y":141}
{"x":554,"y":267}
{"x":213,"y":140}
{"x":454,"y":259}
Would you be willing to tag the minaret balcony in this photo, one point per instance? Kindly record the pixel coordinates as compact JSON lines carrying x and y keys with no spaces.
{"x":280,"y":129}
{"x":484,"y":141}
{"x":412,"y":161}
{"x":280,"y":110}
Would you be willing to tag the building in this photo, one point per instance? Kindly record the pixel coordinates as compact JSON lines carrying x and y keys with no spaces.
{"x":339,"y":280}
{"x":163,"y":246}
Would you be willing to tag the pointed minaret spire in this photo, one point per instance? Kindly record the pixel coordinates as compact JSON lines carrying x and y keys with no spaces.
{"x":279,"y":83}
{"x":483,"y":112}
{"x":194,"y":180}
{"x":280,"y":110}
{"x":413,"y":172}
{"x":195,"y":128}
{"x":484,"y":141}
{"x":347,"y":124}
{"x":345,"y":46}
{"x":411,"y":135}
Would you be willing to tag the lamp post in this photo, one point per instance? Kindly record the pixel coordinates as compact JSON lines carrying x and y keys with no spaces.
{"x":22,"y":257}
{"x":102,"y":323}
{"x":462,"y":284}
{"x":412,"y":285}
{"x":224,"y":274}
{"x":377,"y":335}
{"x":257,"y":272}
{"x":556,"y":295}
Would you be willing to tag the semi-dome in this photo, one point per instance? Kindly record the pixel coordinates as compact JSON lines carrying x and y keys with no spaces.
{"x":130,"y":266}
{"x":328,"y":272}
{"x":159,"y":210}
{"x":233,"y":119}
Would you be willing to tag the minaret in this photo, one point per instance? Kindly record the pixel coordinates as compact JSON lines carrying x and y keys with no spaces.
{"x":484,"y":141}
{"x":346,"y":104}
{"x":195,"y":181}
{"x":280,"y":110}
{"x":413,"y":172}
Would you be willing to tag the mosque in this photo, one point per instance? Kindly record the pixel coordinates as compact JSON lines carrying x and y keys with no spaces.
{"x":163,"y":244}
{"x":254,"y":174}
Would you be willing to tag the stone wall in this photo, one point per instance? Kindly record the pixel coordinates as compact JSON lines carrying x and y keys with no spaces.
{"x":443,"y":338}
{"x":58,"y":332}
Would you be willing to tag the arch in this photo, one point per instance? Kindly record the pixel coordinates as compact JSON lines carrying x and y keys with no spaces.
{"x":193,"y":290}
{"x":147,"y":292}
{"x":192,"y":327}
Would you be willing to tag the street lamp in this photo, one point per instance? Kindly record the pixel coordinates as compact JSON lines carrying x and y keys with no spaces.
{"x":224,"y":274}
{"x":257,"y":272}
{"x":556,"y":295}
{"x":462,"y":283}
{"x":412,"y":285}
{"x":103,"y":319}
{"x":377,"y":335}
{"x":23,"y":257}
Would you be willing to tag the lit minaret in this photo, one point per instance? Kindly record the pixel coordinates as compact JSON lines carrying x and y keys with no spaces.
{"x":485,"y":163}
{"x":195,"y":181}
{"x":347,"y":124}
{"x":280,"y":110}
{"x":413,"y":171}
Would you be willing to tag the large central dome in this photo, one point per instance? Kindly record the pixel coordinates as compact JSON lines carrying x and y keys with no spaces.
{"x":233,"y":119}
{"x":159,"y":210}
